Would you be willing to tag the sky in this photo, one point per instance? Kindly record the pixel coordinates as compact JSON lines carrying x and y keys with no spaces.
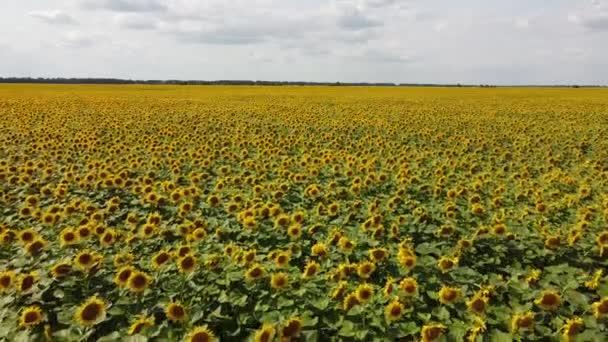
{"x":402,"y":41}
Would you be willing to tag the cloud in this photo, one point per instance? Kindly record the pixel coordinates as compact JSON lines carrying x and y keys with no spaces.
{"x":137,"y":22}
{"x":53,"y":17}
{"x":79,"y":39}
{"x":353,"y":18}
{"x":593,"y":17}
{"x":127,"y":5}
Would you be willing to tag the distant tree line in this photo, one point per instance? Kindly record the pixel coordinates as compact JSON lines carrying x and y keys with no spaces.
{"x":248,"y":82}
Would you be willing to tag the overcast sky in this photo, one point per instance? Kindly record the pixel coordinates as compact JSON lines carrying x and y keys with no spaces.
{"x":444,"y":41}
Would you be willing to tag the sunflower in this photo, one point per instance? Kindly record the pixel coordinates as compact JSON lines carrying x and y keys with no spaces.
{"x":138,"y":281}
{"x":319,"y":249}
{"x":431,"y":332}
{"x":572,"y":327}
{"x":378,"y":254}
{"x":294,"y":231}
{"x":176,"y":312}
{"x":339,"y":291}
{"x":200,"y":334}
{"x":600,"y":308}
{"x":445,"y":264}
{"x":311,"y":268}
{"x":35,"y":247}
{"x":279,"y":280}
{"x":27,"y":281}
{"x":91,"y":312}
{"x":365,"y":269}
{"x":68,"y":237}
{"x":61,"y":269}
{"x":27,"y":235}
{"x":549,"y":300}
{"x":264,"y":334}
{"x":84,"y":232}
{"x":160,"y":258}
{"x":407,"y":259}
{"x":387,"y":290}
{"x":254,"y":272}
{"x":30,"y":316}
{"x":364,"y":292}
{"x":409,"y":286}
{"x":346,"y":245}
{"x":477,"y":304}
{"x":282,"y":259}
{"x":292,"y":327}
{"x":393,"y":311}
{"x":7,"y":279}
{"x":85,"y":260}
{"x":350,"y":301}
{"x":187,"y":263}
{"x":449,"y":295}
{"x":522,"y":321}
{"x":140,"y":323}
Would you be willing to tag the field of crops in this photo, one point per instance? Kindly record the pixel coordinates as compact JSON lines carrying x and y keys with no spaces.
{"x":303,"y":213}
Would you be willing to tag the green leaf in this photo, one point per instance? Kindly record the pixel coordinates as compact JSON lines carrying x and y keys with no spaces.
{"x":347,"y":329}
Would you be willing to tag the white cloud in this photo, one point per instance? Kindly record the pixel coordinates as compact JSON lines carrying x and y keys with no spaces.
{"x":53,"y":17}
{"x":127,"y":5}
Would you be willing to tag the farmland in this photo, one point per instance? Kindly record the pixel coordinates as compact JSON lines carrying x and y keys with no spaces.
{"x":303,"y":213}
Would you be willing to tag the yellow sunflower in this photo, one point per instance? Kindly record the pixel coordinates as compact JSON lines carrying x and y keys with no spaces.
{"x":254,"y":272}
{"x":123,"y":275}
{"x":432,"y":332}
{"x":572,"y":327}
{"x":30,"y":316}
{"x":200,"y":334}
{"x":522,"y":321}
{"x":140,"y":323}
{"x":409,"y":286}
{"x":265,"y":333}
{"x":549,"y":300}
{"x":279,"y":280}
{"x":176,"y":312}
{"x":282,"y":259}
{"x":138,"y":281}
{"x":292,"y":328}
{"x":477,"y":304}
{"x":7,"y":279}
{"x":160,"y":258}
{"x":91,"y":312}
{"x":187,"y":263}
{"x":449,"y":295}
{"x":393,"y":311}
{"x":61,"y":269}
{"x":311,"y":268}
{"x":350,"y":301}
{"x":365,"y":269}
{"x":600,"y":308}
{"x":364,"y":292}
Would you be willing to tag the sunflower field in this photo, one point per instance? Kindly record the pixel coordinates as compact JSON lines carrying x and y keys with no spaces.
{"x":213,"y":213}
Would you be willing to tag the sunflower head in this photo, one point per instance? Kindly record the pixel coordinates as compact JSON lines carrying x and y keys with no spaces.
{"x":350,"y":301}
{"x":281,"y":259}
{"x":477,"y":304}
{"x":265,"y":333}
{"x":279,"y":280}
{"x":431,"y":332}
{"x":91,"y":312}
{"x":160,"y":258}
{"x":200,"y":334}
{"x":61,"y":269}
{"x":122,"y":275}
{"x":365,"y":269}
{"x":139,"y":324}
{"x":549,"y":300}
{"x":7,"y":279}
{"x":572,"y":327}
{"x":409,"y":286}
{"x":449,"y":295}
{"x":30,"y":316}
{"x":176,"y":312}
{"x":27,"y":281}
{"x":292,"y":327}
{"x":522,"y":321}
{"x":600,"y":308}
{"x":393,"y":311}
{"x":254,"y":272}
{"x":364,"y":292}
{"x":311,"y":268}
{"x":138,"y":281}
{"x":187,"y":263}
